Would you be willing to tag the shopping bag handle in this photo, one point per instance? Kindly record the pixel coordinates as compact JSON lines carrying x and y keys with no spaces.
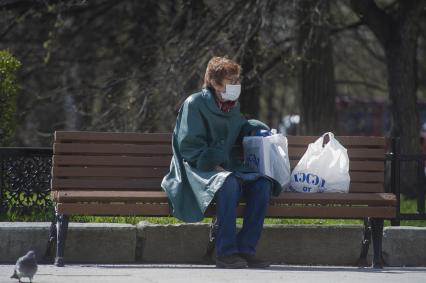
{"x":326,"y":138}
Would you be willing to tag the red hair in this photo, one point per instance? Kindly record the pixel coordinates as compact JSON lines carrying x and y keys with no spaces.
{"x":220,"y":68}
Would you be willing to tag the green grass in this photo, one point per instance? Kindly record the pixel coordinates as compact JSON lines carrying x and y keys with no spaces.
{"x":407,"y":206}
{"x":40,"y":216}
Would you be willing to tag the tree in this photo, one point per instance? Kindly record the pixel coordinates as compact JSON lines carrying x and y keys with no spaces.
{"x":8,"y":90}
{"x":396,"y":28}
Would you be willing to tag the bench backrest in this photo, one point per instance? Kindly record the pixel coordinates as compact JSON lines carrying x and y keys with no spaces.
{"x":138,"y":161}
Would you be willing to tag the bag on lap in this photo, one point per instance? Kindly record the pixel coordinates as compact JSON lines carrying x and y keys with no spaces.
{"x":268,"y":155}
{"x":323,"y":168}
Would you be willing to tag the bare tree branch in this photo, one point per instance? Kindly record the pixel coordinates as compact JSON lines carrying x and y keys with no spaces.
{"x":354,"y":25}
{"x":363,"y":83}
{"x":367,"y":47}
{"x":15,"y":21}
{"x":374,"y":17}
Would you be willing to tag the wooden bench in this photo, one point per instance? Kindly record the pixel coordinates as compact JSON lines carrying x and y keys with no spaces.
{"x":98,"y":173}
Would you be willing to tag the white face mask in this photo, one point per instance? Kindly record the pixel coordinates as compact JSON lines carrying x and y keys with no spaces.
{"x":232,"y":92}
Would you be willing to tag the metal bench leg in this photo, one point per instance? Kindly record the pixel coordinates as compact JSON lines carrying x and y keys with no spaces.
{"x":365,"y":243}
{"x":377,"y":231}
{"x":61,"y":235}
{"x":48,"y":255}
{"x":212,"y":241}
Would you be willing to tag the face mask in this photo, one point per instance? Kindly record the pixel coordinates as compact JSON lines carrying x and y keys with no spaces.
{"x":232,"y":92}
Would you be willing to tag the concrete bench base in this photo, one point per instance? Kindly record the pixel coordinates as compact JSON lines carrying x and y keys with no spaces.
{"x":404,"y":246}
{"x":186,"y":243}
{"x":86,"y":242}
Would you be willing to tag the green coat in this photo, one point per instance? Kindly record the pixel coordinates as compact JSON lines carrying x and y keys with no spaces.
{"x":204,"y":137}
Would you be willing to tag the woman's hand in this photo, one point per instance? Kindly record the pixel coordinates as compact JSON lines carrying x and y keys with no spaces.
{"x":219,"y":168}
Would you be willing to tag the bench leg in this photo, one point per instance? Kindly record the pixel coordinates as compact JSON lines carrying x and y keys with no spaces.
{"x":61,"y":235}
{"x":377,"y":231}
{"x":365,"y":243}
{"x":212,"y":241}
{"x":48,"y":255}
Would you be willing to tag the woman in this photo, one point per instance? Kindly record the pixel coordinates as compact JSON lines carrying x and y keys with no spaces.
{"x":204,"y":166}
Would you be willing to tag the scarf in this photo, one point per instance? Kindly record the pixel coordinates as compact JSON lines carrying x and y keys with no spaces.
{"x":225,"y":106}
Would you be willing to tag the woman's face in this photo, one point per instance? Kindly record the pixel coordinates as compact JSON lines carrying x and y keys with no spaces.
{"x":232,"y":80}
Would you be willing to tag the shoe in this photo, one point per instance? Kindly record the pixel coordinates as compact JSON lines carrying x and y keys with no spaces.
{"x":230,"y":261}
{"x":255,"y":262}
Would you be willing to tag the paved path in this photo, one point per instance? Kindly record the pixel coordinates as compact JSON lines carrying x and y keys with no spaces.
{"x":142,"y":273}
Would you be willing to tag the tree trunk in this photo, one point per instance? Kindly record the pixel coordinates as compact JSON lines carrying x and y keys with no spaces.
{"x":248,"y":54}
{"x":398,"y":33}
{"x":402,"y":80}
{"x":72,"y":117}
{"x":250,"y":95}
{"x":316,"y":79}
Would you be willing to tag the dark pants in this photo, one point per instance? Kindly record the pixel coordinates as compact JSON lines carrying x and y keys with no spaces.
{"x":257,"y":194}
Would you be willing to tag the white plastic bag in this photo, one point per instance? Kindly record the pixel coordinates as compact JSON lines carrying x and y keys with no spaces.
{"x":269,"y":156}
{"x":322,"y":169}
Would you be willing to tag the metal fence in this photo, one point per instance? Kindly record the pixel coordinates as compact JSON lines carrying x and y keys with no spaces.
{"x":25,"y":175}
{"x":398,"y":160}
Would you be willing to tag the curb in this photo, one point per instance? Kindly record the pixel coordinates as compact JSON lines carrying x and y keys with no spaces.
{"x":187,"y":243}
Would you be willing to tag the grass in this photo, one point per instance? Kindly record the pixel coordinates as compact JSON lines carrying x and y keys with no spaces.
{"x":407,"y":206}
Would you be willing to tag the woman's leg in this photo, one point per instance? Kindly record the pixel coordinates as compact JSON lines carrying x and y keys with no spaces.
{"x":227,"y":198}
{"x":257,"y":195}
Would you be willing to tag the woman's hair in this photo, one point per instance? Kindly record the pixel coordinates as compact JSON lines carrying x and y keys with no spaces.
{"x":220,"y":68}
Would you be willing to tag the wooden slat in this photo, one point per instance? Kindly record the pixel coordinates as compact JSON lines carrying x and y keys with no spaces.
{"x":383,"y":199}
{"x":60,"y":160}
{"x":373,"y":166}
{"x":376,"y":177}
{"x":154,"y":184}
{"x":111,"y":149}
{"x":111,"y":196}
{"x":325,"y":212}
{"x":157,"y":172}
{"x":347,"y":141}
{"x":273,"y":211}
{"x":353,"y":153}
{"x":285,"y":198}
{"x":106,"y":184}
{"x":366,"y":187}
{"x":66,"y":136}
{"x":128,"y":172}
{"x":366,"y":177}
{"x":153,"y":209}
{"x":331,"y":212}
{"x":378,"y":166}
{"x":122,"y":137}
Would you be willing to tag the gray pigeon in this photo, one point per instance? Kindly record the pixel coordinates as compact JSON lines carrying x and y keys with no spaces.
{"x":26,"y":266}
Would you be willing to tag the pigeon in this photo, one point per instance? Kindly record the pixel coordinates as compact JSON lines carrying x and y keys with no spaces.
{"x":26,"y":266}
